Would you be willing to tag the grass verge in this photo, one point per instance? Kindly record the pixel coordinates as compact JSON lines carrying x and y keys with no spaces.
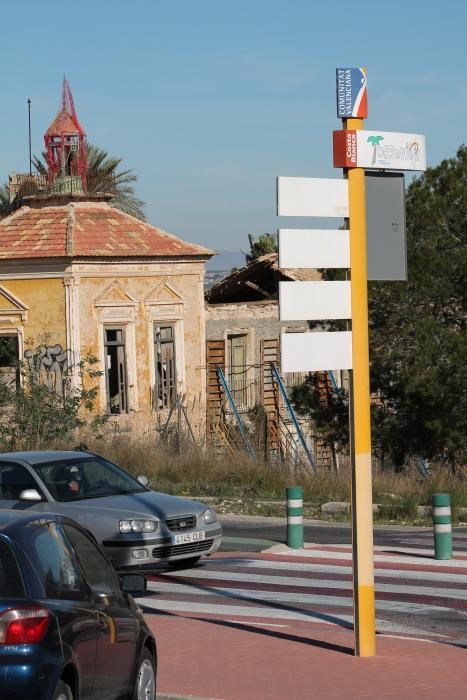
{"x":237,"y":484}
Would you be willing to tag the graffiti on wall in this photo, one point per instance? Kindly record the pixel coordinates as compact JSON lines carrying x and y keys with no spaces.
{"x":52,"y":365}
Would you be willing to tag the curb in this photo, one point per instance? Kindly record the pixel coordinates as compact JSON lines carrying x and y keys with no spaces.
{"x":314,"y":521}
{"x":330,"y":508}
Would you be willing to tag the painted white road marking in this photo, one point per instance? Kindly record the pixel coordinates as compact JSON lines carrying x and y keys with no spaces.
{"x":321,"y":568}
{"x":288,"y":597}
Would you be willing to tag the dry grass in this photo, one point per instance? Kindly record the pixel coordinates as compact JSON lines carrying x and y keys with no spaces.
{"x":200,"y":472}
{"x":237,"y":483}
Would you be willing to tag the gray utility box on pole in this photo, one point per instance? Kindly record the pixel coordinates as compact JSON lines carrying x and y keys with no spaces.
{"x":385,"y":225}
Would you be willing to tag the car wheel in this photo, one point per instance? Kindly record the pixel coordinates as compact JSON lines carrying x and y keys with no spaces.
{"x":184,"y":563}
{"x":62,"y":692}
{"x":145,"y":687}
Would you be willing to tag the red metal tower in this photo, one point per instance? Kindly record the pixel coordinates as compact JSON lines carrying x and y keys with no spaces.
{"x":65,"y":142}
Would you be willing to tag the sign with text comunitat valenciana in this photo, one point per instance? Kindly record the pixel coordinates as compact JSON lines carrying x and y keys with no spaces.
{"x":381,"y":150}
{"x":351,"y":93}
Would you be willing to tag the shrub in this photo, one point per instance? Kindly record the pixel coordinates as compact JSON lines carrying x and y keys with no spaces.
{"x":35,"y":416}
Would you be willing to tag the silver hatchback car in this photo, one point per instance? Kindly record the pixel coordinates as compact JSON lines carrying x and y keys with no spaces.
{"x":137,"y":527}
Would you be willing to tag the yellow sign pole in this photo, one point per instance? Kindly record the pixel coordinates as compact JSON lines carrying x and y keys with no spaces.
{"x":362,"y":510}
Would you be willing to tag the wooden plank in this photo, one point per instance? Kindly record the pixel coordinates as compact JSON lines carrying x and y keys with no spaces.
{"x":215,"y":357}
{"x":269,"y":397}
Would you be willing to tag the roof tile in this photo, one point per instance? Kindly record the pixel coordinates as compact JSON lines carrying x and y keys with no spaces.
{"x":99,"y":230}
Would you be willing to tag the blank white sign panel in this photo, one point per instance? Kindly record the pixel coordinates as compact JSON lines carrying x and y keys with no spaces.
{"x":312,"y":196}
{"x":314,"y":301}
{"x":314,"y":248}
{"x":316,"y":352}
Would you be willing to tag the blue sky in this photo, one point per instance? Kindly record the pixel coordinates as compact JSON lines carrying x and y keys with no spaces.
{"x":209,"y":100}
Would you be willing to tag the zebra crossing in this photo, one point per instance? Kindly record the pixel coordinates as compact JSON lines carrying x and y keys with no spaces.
{"x":415,"y":595}
{"x":425,"y":539}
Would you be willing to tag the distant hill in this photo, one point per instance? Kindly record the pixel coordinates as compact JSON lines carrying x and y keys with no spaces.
{"x":212,"y":278}
{"x":226,"y":260}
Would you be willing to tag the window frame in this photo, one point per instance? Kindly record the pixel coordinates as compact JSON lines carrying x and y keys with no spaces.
{"x":250,"y":388}
{"x":240,"y":392}
{"x":123,"y":395}
{"x":78,"y":595}
{"x":170,"y":387}
{"x":117,"y":593}
{"x":34,"y":480}
{"x":17,"y":337}
{"x":18,"y":575}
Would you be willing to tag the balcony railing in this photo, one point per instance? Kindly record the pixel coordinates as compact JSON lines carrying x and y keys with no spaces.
{"x":26,"y":185}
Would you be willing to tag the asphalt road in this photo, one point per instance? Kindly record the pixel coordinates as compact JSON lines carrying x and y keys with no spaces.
{"x":283,"y":616}
{"x":248,"y":533}
{"x":261,"y":609}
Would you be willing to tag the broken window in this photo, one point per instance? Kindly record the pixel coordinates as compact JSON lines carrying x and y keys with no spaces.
{"x":115,"y":370}
{"x":236,"y":348}
{"x":165,"y":389}
{"x":9,"y":361}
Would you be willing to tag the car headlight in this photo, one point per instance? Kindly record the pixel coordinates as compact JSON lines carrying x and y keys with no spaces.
{"x":137,"y":526}
{"x":208,"y":516}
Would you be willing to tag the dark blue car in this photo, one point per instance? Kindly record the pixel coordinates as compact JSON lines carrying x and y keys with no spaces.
{"x":69,"y":628}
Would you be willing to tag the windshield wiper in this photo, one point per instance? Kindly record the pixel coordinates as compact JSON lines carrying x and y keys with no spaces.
{"x":120,"y":492}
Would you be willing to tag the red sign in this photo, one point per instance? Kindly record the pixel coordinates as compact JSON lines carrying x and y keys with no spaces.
{"x":344,"y":148}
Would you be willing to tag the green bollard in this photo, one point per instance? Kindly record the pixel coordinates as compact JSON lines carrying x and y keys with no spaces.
{"x":295,"y":517}
{"x":441,"y":503}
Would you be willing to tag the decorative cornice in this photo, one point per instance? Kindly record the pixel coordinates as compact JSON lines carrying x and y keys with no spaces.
{"x":115,"y":285}
{"x":153,"y":296}
{"x":19,"y":309}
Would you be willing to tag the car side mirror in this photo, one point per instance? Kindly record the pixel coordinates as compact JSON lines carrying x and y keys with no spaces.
{"x":30,"y":495}
{"x":143,"y":480}
{"x":134,"y":584}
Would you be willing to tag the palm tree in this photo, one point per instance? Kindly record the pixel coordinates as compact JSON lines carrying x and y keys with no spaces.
{"x":374,"y":140}
{"x":4,"y":201}
{"x":262,"y":245}
{"x":100,"y":167}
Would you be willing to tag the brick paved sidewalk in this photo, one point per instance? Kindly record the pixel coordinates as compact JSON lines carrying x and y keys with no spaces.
{"x":214,"y":659}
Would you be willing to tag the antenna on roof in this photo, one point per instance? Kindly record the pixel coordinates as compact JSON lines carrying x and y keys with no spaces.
{"x":29,"y":125}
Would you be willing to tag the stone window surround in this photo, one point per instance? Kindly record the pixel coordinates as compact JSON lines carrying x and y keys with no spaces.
{"x":160,"y":313}
{"x":17,"y":332}
{"x":13,"y":320}
{"x":115,"y":314}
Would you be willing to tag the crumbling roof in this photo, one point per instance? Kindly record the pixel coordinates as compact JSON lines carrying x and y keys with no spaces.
{"x":257,"y":281}
{"x":87,"y":229}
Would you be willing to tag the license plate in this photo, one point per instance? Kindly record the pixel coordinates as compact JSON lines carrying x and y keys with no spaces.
{"x":187,"y":537}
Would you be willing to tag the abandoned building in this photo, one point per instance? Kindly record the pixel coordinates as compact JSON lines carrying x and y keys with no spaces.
{"x":242,"y":314}
{"x":243,"y":344}
{"x":79,"y":276}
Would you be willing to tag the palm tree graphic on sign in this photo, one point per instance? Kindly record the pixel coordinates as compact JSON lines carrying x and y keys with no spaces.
{"x":374,"y":140}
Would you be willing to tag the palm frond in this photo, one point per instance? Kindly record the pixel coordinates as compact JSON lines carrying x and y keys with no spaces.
{"x":4,"y":201}
{"x":102,"y":166}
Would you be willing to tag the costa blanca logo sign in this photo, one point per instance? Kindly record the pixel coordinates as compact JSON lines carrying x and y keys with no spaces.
{"x":381,"y":150}
{"x":351,"y":93}
{"x":394,"y":150}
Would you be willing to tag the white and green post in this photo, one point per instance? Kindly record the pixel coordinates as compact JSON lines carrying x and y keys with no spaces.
{"x":295,"y":517}
{"x":441,"y":503}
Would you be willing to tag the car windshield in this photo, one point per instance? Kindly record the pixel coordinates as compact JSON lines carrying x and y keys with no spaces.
{"x":90,"y":477}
